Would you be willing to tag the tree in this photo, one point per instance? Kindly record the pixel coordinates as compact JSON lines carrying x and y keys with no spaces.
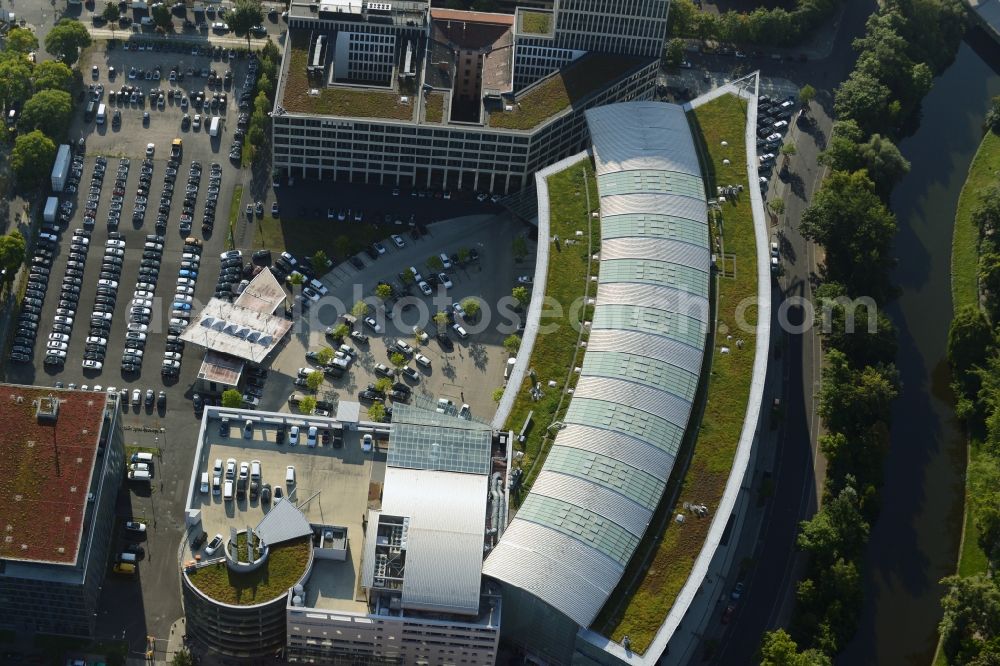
{"x":864,"y":99}
{"x":340,"y":331}
{"x":983,"y":474}
{"x":969,"y":340}
{"x":471,"y":307}
{"x":419,"y":336}
{"x":245,"y":15}
{"x":383,"y":291}
{"x":376,"y":412}
{"x":778,"y":649}
{"x":307,"y":405}
{"x":837,"y":530}
{"x":971,"y":617}
{"x":519,"y":248}
{"x":162,"y":18}
{"x":319,"y":262}
{"x":66,"y":39}
{"x":360,"y":309}
{"x":111,"y":13}
{"x":296,"y":279}
{"x":989,"y":281}
{"x":847,"y":326}
{"x":992,"y":122}
{"x":434,"y":263}
{"x":463,"y":255}
{"x":789,"y":149}
{"x":408,"y":276}
{"x":674,"y":52}
{"x":49,"y":111}
{"x":986,"y":212}
{"x":842,"y":152}
{"x":52,"y":74}
{"x":325,"y":355}
{"x":182,"y":658}
{"x":806,"y":95}
{"x":886,"y":166}
{"x":314,"y":380}
{"x":512,"y":343}
{"x":383,"y":384}
{"x":32,"y":158}
{"x":15,"y":81}
{"x":232,"y":399}
{"x":521,"y":295}
{"x":498,"y":394}
{"x":856,"y":230}
{"x":398,"y":360}
{"x":777,"y":205}
{"x":21,"y":41}
{"x":12,"y":249}
{"x":852,"y":401}
{"x":441,"y":319}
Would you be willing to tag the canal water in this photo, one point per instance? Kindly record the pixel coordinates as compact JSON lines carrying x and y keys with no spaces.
{"x":915,"y":541}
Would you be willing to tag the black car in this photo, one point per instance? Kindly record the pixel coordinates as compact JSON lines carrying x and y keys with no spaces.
{"x":445,"y":341}
{"x":357,"y":263}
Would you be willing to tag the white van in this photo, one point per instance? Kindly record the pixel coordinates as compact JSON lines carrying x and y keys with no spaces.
{"x":213,"y":128}
{"x":445,"y":260}
{"x":290,"y":475}
{"x":255,"y":470}
{"x":12,"y":117}
{"x":204,"y":482}
{"x":139,"y":475}
{"x":102,"y":114}
{"x":142,"y":457}
{"x":227,"y":493}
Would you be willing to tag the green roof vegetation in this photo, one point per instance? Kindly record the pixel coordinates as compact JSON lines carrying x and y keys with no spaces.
{"x":335,"y":101}
{"x":285,"y":565}
{"x":434,"y":109}
{"x":536,"y":23}
{"x":664,"y":559}
{"x":573,"y":194}
{"x":564,"y":88}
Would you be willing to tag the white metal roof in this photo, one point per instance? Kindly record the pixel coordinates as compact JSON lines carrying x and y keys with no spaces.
{"x":238,"y":331}
{"x":578,"y":528}
{"x":283,"y":522}
{"x":263,"y":294}
{"x":444,"y":551}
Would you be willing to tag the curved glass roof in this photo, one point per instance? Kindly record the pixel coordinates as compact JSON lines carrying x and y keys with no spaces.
{"x":588,"y":509}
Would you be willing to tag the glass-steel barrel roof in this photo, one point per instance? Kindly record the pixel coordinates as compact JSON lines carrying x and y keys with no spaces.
{"x":606,"y":472}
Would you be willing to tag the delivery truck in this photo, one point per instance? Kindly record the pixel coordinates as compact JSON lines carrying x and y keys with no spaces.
{"x":51,"y":209}
{"x":60,"y":170}
{"x":213,"y":129}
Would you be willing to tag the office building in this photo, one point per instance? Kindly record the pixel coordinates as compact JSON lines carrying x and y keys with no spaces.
{"x":63,"y":462}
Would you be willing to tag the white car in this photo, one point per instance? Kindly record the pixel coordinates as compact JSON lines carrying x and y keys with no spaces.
{"x":231,"y":254}
{"x":231,"y":468}
{"x":114,"y":252}
{"x":185,"y":282}
{"x":171,"y":364}
{"x":137,"y":327}
{"x":182,"y":289}
{"x":293,"y":435}
{"x":142,"y":302}
{"x":114,"y":242}
{"x":107,"y":283}
{"x":59,"y":337}
{"x":216,"y":541}
{"x":422,"y":360}
{"x":136,"y":397}
{"x":156,"y":247}
{"x":244,"y":470}
{"x":371,"y":323}
{"x":444,"y":280}
{"x":62,"y":319}
{"x":133,"y":335}
{"x":425,"y":288}
{"x":311,"y":436}
{"x":398,"y":240}
{"x":82,"y":240}
{"x":193,"y":258}
{"x":172,"y":356}
{"x":94,"y":340}
{"x":150,"y":149}
{"x":182,"y":298}
{"x":178,"y":322}
{"x":54,"y":344}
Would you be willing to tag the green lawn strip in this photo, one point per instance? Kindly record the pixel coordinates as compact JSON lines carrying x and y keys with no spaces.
{"x":535,"y":23}
{"x":640,"y":610}
{"x":563,"y":89}
{"x":304,"y":237}
{"x":234,"y":214}
{"x":434,"y":110}
{"x":285,"y":564}
{"x":552,"y":356}
{"x":337,"y":101}
{"x":971,"y":560}
{"x":965,"y":238}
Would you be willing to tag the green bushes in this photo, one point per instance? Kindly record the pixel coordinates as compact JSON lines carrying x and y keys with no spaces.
{"x":767,"y":27}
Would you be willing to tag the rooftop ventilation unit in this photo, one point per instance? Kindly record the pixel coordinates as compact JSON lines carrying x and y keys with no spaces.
{"x":47,"y":409}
